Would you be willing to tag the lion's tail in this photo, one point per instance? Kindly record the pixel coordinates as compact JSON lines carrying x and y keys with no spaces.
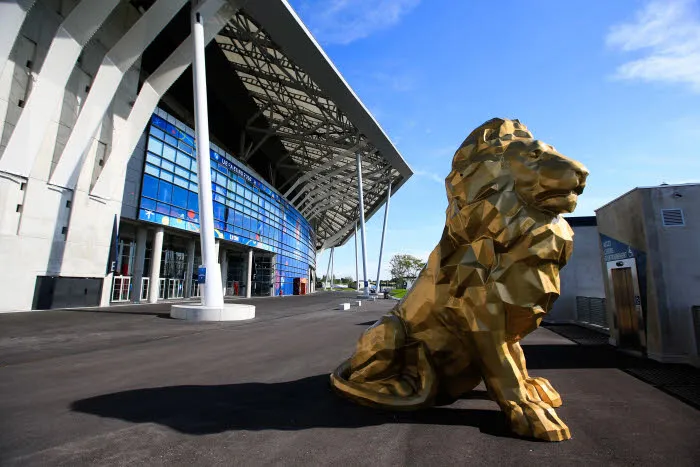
{"x":396,"y":392}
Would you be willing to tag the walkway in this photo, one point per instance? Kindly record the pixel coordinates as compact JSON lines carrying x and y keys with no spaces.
{"x":132,"y":387}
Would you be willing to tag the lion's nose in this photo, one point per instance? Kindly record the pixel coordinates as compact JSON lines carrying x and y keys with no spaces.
{"x":581,"y":171}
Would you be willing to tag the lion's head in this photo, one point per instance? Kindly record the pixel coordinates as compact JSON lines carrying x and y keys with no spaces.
{"x":502,"y":163}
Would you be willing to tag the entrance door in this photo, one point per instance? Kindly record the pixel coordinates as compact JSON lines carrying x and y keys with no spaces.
{"x":627,"y":321}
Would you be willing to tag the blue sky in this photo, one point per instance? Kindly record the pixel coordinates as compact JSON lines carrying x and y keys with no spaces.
{"x":613,"y":84}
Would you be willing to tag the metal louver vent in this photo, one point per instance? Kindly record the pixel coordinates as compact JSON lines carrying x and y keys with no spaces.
{"x":672,"y":217}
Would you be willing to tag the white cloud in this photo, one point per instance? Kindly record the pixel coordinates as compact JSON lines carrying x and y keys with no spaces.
{"x":667,"y":32}
{"x":430,"y":176}
{"x":345,"y":21}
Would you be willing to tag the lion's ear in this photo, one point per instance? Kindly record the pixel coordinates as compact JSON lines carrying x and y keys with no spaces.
{"x":487,"y":134}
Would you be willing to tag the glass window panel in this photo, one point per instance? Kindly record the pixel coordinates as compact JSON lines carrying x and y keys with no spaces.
{"x":153,"y":170}
{"x":182,"y":172}
{"x":150,"y":186}
{"x":219,"y":198}
{"x":181,"y":182}
{"x":240,"y":190}
{"x":163,"y":208}
{"x":154,"y":145}
{"x":184,"y":147}
{"x":165,"y":191}
{"x":229,"y":228}
{"x":179,"y":197}
{"x":219,"y":211}
{"x":157,"y":133}
{"x":194,"y":187}
{"x":171,"y":140}
{"x":153,"y":159}
{"x":219,"y":225}
{"x":168,"y":153}
{"x":148,"y":204}
{"x":166,"y":176}
{"x":232,"y":186}
{"x":177,"y":213}
{"x":193,"y":177}
{"x":193,"y":202}
{"x":183,"y":159}
{"x":169,"y":166}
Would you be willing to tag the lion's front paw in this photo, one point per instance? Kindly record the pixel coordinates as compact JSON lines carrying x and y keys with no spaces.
{"x":541,"y":389}
{"x":536,"y":420}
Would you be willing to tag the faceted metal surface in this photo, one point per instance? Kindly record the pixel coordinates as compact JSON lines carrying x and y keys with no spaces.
{"x":487,"y":284}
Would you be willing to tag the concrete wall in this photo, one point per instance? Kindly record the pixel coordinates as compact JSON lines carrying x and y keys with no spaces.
{"x":676,"y":253}
{"x":672,"y":256}
{"x":622,"y":220}
{"x":47,"y":230}
{"x":581,"y":276}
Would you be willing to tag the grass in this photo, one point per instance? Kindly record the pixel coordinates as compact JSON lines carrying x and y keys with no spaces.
{"x":398,"y":293}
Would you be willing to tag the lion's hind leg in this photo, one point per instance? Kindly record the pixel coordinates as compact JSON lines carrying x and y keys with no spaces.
{"x":386,"y":370}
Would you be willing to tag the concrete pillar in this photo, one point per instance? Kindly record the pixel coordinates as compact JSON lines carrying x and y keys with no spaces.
{"x":211,"y":295}
{"x":139,"y":262}
{"x":223,"y":261}
{"x":154,"y":279}
{"x":191,"y":251}
{"x":357,"y":273}
{"x":273,"y":263}
{"x":249,"y":274}
{"x":332,"y":267}
{"x":361,"y":206}
{"x":381,"y":244}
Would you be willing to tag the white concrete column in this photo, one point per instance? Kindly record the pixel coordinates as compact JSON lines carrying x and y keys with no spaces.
{"x":362,"y":223}
{"x":211,"y":295}
{"x":223,"y":261}
{"x":381,"y":244}
{"x":357,"y":271}
{"x":157,"y":252}
{"x":249,"y":274}
{"x":328,"y":269}
{"x":139,"y":262}
{"x":332,"y":267}
{"x":191,"y":251}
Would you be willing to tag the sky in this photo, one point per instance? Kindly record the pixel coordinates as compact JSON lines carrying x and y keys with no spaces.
{"x":612,"y":84}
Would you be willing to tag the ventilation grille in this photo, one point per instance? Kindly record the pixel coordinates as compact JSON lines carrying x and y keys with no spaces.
{"x":591,"y":310}
{"x":672,"y":217}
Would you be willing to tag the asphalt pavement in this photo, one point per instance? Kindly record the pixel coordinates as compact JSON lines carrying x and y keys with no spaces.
{"x":130,"y":386}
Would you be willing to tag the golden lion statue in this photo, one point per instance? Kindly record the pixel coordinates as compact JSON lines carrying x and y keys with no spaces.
{"x":487,"y":284}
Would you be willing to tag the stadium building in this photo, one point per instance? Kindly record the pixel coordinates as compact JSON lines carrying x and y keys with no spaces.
{"x":99,"y":178}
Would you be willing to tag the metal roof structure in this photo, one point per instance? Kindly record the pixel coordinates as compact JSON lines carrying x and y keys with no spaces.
{"x":320,"y":121}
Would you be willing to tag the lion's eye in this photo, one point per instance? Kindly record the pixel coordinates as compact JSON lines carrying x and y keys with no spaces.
{"x":536,"y":153}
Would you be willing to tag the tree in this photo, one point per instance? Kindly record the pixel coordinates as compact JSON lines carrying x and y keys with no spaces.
{"x":403,"y":266}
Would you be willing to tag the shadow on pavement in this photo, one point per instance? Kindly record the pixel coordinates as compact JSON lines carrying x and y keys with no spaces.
{"x":294,"y":405}
{"x":367,"y":323}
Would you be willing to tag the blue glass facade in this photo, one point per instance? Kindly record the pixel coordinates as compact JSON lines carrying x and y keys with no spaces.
{"x":246,"y":211}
